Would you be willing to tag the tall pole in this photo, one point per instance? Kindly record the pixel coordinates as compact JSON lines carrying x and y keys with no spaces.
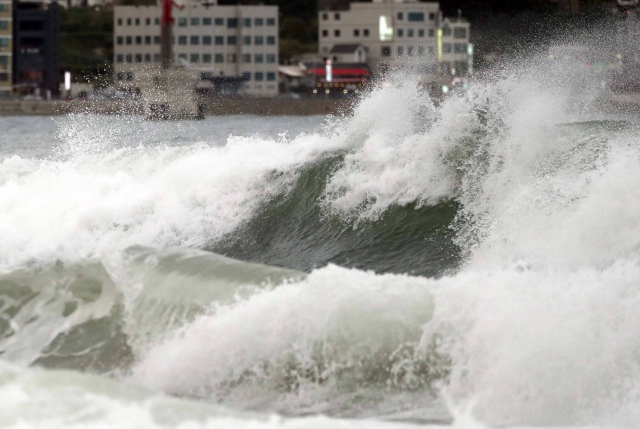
{"x":166,"y":33}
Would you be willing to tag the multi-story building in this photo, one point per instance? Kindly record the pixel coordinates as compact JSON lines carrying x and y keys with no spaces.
{"x":396,"y":32}
{"x":6,"y":48}
{"x":36,"y":59}
{"x":234,"y":41}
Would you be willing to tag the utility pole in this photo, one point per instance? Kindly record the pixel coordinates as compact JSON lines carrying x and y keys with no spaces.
{"x":166,"y":32}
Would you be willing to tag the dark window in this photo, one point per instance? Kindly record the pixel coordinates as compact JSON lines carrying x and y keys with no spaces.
{"x":356,"y":33}
{"x":247,"y":22}
{"x":137,"y":21}
{"x":259,"y":40}
{"x":119,"y":58}
{"x":157,"y":21}
{"x":232,"y":23}
{"x":432,"y":32}
{"x":129,"y":40}
{"x":410,"y":32}
{"x":259,"y":22}
{"x":206,"y":21}
{"x":325,"y":16}
{"x":258,"y":58}
{"x":206,"y":40}
{"x":195,"y":58}
{"x":410,"y":50}
{"x":195,"y":40}
{"x":182,"y":56}
{"x":366,"y":32}
{"x":271,"y":22}
{"x":246,"y":58}
{"x":219,"y":58}
{"x":128,"y":21}
{"x":231,"y":58}
{"x":120,"y":40}
{"x":325,"y":33}
{"x":206,"y":58}
{"x":156,"y":58}
{"x":119,"y":21}
{"x":336,"y":33}
{"x":415,"y":16}
{"x":246,"y":76}
{"x":119,"y":76}
{"x":182,"y":22}
{"x":147,"y":40}
{"x":195,"y":21}
{"x":432,"y":16}
{"x":400,"y":32}
{"x":421,"y":33}
{"x":385,"y":51}
{"x":259,"y":76}
{"x":446,"y":48}
{"x":459,"y":32}
{"x":129,"y":76}
{"x":460,"y":48}
{"x":246,"y":40}
{"x":129,"y":58}
{"x":182,"y":40}
{"x":219,"y":40}
{"x":138,"y":40}
{"x":4,"y":77}
{"x":147,"y":58}
{"x":400,"y":51}
{"x":446,"y":31}
{"x":271,"y":58}
{"x":400,"y":16}
{"x":219,"y":21}
{"x":232,"y":40}
{"x":138,"y":58}
{"x":148,"y":21}
{"x":271,"y":76}
{"x":336,"y":16}
{"x":156,"y":40}
{"x":421,"y":51}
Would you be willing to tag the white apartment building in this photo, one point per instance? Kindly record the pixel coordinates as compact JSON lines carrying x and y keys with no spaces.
{"x":239,"y":41}
{"x":395,"y":32}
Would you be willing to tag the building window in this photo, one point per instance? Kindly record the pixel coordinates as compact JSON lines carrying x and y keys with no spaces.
{"x":119,"y":58}
{"x":459,"y":33}
{"x":156,"y":40}
{"x":128,"y":58}
{"x":195,"y":40}
{"x":421,"y":33}
{"x":421,"y":51}
{"x":432,"y":32}
{"x":147,"y":40}
{"x":147,"y":58}
{"x":325,"y":16}
{"x":271,"y":76}
{"x":182,"y":56}
{"x":232,"y":40}
{"x":415,"y":17}
{"x":460,"y":48}
{"x":271,"y":58}
{"x":147,"y":21}
{"x":336,"y":16}
{"x":259,"y":76}
{"x":400,"y":51}
{"x":119,"y":19}
{"x":258,"y":58}
{"x":182,"y":22}
{"x":182,"y":40}
{"x":231,"y":58}
{"x":119,"y":76}
{"x":138,"y":40}
{"x":246,"y":76}
{"x":232,"y":23}
{"x":432,"y":16}
{"x":219,"y":58}
{"x":410,"y":32}
{"x":271,"y":22}
{"x":129,"y":40}
{"x":156,"y":58}
{"x":137,"y":21}
{"x":400,"y":32}
{"x":206,"y":21}
{"x":336,"y":33}
{"x":325,"y":33}
{"x":246,"y":40}
{"x":446,"y":48}
{"x":400,"y":16}
{"x":247,"y":22}
{"x":410,"y":50}
{"x":246,"y":58}
{"x":219,"y":40}
{"x":195,"y":58}
{"x":129,"y":76}
{"x":366,"y":32}
{"x":206,"y":40}
{"x":431,"y":49}
{"x":128,"y":21}
{"x":138,"y":58}
{"x":446,"y":31}
{"x":385,"y":51}
{"x":157,"y":21}
{"x":259,"y":40}
{"x":195,"y":21}
{"x":356,"y":33}
{"x":219,"y":21}
{"x":259,"y":22}
{"x":120,"y":40}
{"x":206,"y":58}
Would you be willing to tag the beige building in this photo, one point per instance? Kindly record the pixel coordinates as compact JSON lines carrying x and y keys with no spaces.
{"x":6,"y":48}
{"x":239,"y":41}
{"x":394,"y":32}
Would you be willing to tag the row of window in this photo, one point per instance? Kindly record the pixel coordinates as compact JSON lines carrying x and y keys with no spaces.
{"x":257,"y":76}
{"x":196,"y":58}
{"x":195,"y":40}
{"x":411,"y":16}
{"x":447,"y":48}
{"x":183,"y":22}
{"x":458,"y":32}
{"x":4,"y":7}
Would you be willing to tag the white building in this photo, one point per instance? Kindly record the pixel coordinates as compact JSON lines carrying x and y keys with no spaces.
{"x":239,"y":41}
{"x":396,"y":32}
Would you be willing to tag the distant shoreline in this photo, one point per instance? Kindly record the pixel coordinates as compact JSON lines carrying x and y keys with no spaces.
{"x":216,"y":107}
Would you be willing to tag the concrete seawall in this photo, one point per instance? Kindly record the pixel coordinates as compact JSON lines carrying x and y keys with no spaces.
{"x":217,"y":107}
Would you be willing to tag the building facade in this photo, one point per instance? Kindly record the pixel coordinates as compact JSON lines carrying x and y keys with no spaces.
{"x":397,"y":32}
{"x":6,"y":48}
{"x":233,"y":41}
{"x":36,"y":56}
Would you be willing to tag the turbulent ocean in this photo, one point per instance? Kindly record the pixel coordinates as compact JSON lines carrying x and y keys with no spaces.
{"x":474,"y":263}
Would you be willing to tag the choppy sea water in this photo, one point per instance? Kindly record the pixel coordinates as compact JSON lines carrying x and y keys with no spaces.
{"x":475,"y":263}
